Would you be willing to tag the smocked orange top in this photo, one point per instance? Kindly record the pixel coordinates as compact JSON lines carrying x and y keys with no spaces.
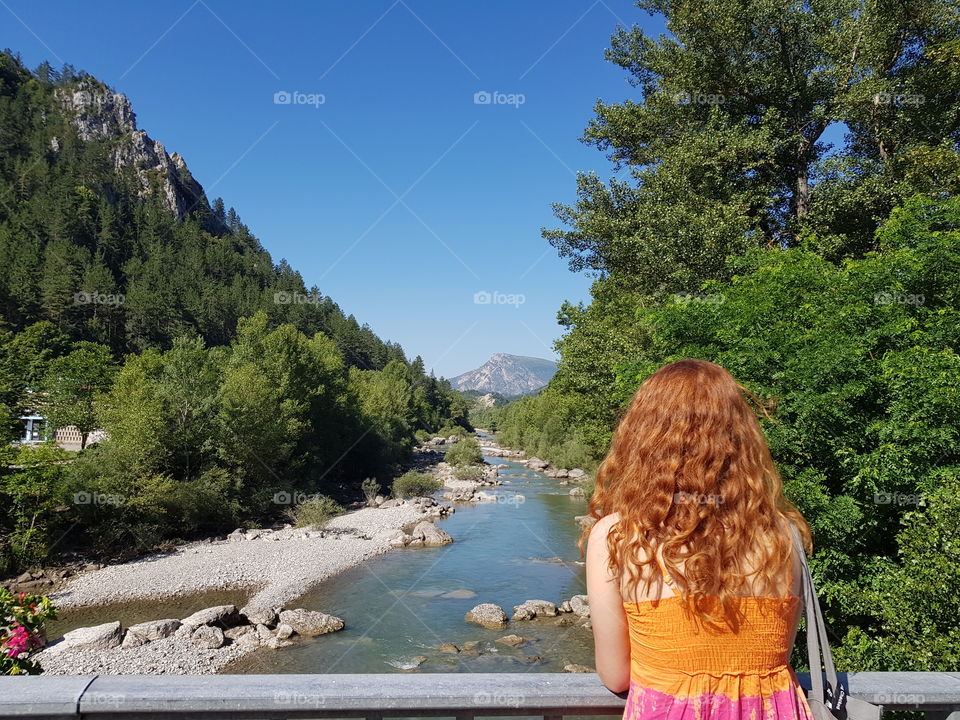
{"x":682,"y":671}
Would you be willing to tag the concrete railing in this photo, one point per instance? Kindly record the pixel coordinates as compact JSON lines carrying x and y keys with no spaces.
{"x":462,"y":696}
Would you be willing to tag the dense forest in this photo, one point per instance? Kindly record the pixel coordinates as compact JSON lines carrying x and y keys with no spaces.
{"x":131,"y":305}
{"x":824,"y":275}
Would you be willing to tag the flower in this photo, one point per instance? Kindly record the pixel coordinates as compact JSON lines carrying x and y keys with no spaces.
{"x":19,"y":640}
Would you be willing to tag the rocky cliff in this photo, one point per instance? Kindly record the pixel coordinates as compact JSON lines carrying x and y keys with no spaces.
{"x":99,"y":114}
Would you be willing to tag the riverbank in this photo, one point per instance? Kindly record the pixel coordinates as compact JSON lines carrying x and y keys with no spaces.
{"x":272,"y":567}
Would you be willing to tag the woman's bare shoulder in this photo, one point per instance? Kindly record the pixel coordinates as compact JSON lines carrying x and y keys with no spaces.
{"x":602,"y":526}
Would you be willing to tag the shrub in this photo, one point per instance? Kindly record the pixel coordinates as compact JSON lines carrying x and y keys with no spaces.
{"x":448,"y":430}
{"x":371,"y":488}
{"x":468,"y":472}
{"x":316,"y":511}
{"x":465,"y":452}
{"x":414,"y":484}
{"x":21,"y":624}
{"x":422,"y":436}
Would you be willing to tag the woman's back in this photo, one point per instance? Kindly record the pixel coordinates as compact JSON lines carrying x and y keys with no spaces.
{"x":681,"y":667}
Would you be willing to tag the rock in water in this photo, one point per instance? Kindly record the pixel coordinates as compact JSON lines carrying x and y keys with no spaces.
{"x":310,"y":622}
{"x":573,"y":668}
{"x":530,"y":609}
{"x":488,"y":615}
{"x":512,"y":640}
{"x":580,"y":605}
{"x":430,"y":534}
{"x":96,"y":637}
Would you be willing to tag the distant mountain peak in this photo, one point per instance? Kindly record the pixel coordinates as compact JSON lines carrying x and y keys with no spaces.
{"x":508,"y":375}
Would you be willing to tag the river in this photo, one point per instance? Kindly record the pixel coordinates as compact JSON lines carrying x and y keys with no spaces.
{"x":398,"y":608}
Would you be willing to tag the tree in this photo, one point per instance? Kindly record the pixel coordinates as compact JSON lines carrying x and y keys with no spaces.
{"x":72,"y":385}
{"x":725,"y":144}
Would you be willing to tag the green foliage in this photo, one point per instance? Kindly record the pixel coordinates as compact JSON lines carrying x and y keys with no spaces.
{"x":33,"y":493}
{"x":371,"y":488}
{"x":315,"y":512}
{"x":21,"y":623}
{"x":468,"y":472}
{"x":465,"y":452}
{"x":414,"y":484}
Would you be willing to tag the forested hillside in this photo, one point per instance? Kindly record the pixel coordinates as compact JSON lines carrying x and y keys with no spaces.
{"x":825,"y":278}
{"x":128,"y":303}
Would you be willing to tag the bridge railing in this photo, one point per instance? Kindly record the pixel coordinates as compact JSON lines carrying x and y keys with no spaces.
{"x":551,"y":696}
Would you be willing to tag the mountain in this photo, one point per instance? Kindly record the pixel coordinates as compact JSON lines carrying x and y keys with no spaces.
{"x":507,"y":375}
{"x":109,"y":237}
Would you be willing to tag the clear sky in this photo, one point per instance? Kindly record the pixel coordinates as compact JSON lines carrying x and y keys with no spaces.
{"x":398,"y":195}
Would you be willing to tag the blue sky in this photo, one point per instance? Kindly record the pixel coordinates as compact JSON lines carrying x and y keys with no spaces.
{"x":398,"y":195}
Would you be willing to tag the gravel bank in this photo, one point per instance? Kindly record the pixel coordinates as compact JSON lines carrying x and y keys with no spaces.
{"x":278,"y":566}
{"x":170,"y":656}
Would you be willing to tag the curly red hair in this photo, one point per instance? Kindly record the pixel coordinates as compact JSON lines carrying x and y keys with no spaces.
{"x":690,"y":474}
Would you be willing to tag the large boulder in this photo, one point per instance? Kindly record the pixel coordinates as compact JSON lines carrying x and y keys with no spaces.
{"x":536,"y":463}
{"x":576,"y":492}
{"x":530,"y":609}
{"x":430,"y":534}
{"x":488,"y":615}
{"x":576,"y":473}
{"x":97,"y":637}
{"x":154,"y":629}
{"x":453,"y":439}
{"x":310,"y":622}
{"x":580,"y":606}
{"x":223,"y":616}
{"x":260,"y":615}
{"x":208,"y":637}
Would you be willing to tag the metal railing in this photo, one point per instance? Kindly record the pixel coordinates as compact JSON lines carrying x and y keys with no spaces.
{"x":551,"y":696}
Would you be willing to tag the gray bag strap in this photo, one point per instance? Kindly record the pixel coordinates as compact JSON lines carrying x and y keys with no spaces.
{"x":818,"y":646}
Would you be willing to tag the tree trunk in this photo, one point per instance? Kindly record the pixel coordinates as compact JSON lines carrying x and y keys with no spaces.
{"x":801,"y":193}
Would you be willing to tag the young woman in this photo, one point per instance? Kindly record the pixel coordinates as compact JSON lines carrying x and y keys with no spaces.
{"x":692,"y":576}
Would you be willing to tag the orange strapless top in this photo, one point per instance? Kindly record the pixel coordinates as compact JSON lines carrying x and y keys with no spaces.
{"x":682,"y":670}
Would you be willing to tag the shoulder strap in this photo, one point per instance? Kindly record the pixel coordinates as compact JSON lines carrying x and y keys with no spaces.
{"x":818,"y":647}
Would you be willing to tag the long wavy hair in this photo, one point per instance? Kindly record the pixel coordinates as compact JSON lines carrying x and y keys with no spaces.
{"x":691,"y":476}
